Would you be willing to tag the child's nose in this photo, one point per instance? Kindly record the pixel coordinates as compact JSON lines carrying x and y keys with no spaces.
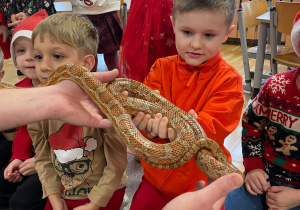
{"x":196,"y":43}
{"x":45,"y":66}
{"x":29,"y":55}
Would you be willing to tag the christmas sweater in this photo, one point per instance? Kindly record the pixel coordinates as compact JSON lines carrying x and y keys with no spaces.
{"x":271,"y":129}
{"x":78,"y":162}
{"x":10,"y":7}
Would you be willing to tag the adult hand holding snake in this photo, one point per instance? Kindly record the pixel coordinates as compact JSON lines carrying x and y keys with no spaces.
{"x":65,"y":101}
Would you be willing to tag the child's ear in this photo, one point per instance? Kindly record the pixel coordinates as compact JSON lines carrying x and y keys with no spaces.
{"x":172,"y":21}
{"x":89,"y":62}
{"x":228,"y":33}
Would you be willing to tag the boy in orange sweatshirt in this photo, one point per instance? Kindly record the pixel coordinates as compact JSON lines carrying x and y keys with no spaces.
{"x":198,"y":79}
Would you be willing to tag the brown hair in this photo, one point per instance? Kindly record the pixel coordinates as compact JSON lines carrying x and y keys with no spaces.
{"x":227,"y":6}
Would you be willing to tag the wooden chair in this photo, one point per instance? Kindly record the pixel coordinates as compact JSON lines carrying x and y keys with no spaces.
{"x":281,"y":20}
{"x":247,"y":15}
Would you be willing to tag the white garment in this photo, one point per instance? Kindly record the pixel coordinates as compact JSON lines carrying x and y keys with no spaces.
{"x":94,"y":7}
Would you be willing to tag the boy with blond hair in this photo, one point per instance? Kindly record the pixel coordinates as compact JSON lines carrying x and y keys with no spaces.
{"x":77,"y":166}
{"x":199,"y":81}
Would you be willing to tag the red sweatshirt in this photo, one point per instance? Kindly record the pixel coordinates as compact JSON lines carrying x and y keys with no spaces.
{"x":214,"y":90}
{"x":22,"y":144}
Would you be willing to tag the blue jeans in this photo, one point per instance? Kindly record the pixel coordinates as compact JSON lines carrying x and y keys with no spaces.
{"x":241,"y":199}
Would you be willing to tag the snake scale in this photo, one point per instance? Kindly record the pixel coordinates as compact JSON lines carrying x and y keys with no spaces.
{"x":190,"y":140}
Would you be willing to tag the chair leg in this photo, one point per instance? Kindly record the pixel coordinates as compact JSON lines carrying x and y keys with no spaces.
{"x":247,"y":85}
{"x":274,"y":69}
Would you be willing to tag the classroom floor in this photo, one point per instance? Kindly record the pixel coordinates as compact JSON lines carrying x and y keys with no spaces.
{"x":232,"y":54}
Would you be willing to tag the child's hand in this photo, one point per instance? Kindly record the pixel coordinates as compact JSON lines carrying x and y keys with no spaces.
{"x":193,"y":113}
{"x":88,"y":206}
{"x":154,"y":127}
{"x":16,"y":19}
{"x":4,"y":32}
{"x":11,"y":172}
{"x":27,"y":167}
{"x":280,"y":197}
{"x":57,"y":202}
{"x":256,"y":182}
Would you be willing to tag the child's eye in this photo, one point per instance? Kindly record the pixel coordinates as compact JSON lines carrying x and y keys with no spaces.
{"x":57,"y":56}
{"x":20,"y":50}
{"x":38,"y":57}
{"x":209,"y":35}
{"x":187,"y":32}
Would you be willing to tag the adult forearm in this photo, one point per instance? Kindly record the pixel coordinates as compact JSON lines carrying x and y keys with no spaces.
{"x":22,"y":106}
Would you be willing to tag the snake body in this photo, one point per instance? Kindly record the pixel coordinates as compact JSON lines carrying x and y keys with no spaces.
{"x":190,"y":140}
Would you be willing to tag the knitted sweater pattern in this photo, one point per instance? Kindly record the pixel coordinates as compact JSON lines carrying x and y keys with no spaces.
{"x":271,"y":129}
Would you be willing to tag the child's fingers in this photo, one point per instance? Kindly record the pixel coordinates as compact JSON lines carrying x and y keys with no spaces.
{"x":138,"y":119}
{"x":193,"y":113}
{"x":249,"y":189}
{"x":171,"y":134}
{"x":163,"y":130}
{"x":156,"y":123}
{"x":143,"y":124}
{"x":125,"y":93}
{"x":14,"y":177}
{"x":149,"y":126}
{"x":151,"y":135}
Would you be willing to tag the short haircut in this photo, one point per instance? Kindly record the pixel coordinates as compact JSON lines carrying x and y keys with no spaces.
{"x":1,"y":59}
{"x":71,"y":29}
{"x":185,"y":6}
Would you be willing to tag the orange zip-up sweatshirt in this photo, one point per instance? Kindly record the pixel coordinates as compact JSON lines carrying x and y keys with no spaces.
{"x":214,"y":90}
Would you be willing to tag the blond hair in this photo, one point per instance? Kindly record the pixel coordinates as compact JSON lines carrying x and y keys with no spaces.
{"x":227,"y":6}
{"x":71,"y":29}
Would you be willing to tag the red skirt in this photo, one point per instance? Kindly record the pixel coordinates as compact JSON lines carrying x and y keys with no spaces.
{"x":148,"y":35}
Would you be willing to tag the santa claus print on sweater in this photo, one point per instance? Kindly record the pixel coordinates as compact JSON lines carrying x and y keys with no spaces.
{"x":73,"y":154}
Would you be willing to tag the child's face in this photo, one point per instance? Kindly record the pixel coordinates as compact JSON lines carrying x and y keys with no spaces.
{"x":199,"y":35}
{"x":50,"y":55}
{"x":24,"y":57}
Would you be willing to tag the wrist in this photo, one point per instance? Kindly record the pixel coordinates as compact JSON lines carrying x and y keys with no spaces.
{"x":54,"y":197}
{"x":46,"y":107}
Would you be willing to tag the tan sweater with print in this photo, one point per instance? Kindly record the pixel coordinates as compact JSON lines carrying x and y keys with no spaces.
{"x":78,"y":162}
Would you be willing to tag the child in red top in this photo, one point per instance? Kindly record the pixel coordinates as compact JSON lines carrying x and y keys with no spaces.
{"x":198,"y":79}
{"x":148,"y":35}
{"x":20,"y":172}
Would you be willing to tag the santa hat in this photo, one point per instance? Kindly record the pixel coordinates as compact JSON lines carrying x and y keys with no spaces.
{"x":25,"y":29}
{"x":68,"y":145}
{"x":295,"y":34}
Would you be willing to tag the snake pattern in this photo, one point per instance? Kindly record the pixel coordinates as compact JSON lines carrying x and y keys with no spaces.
{"x":190,"y":140}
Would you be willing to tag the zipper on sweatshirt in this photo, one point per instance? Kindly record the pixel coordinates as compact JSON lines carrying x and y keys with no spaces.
{"x":192,"y":81}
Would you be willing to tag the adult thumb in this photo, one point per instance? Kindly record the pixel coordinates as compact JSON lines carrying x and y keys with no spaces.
{"x":222,"y":186}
